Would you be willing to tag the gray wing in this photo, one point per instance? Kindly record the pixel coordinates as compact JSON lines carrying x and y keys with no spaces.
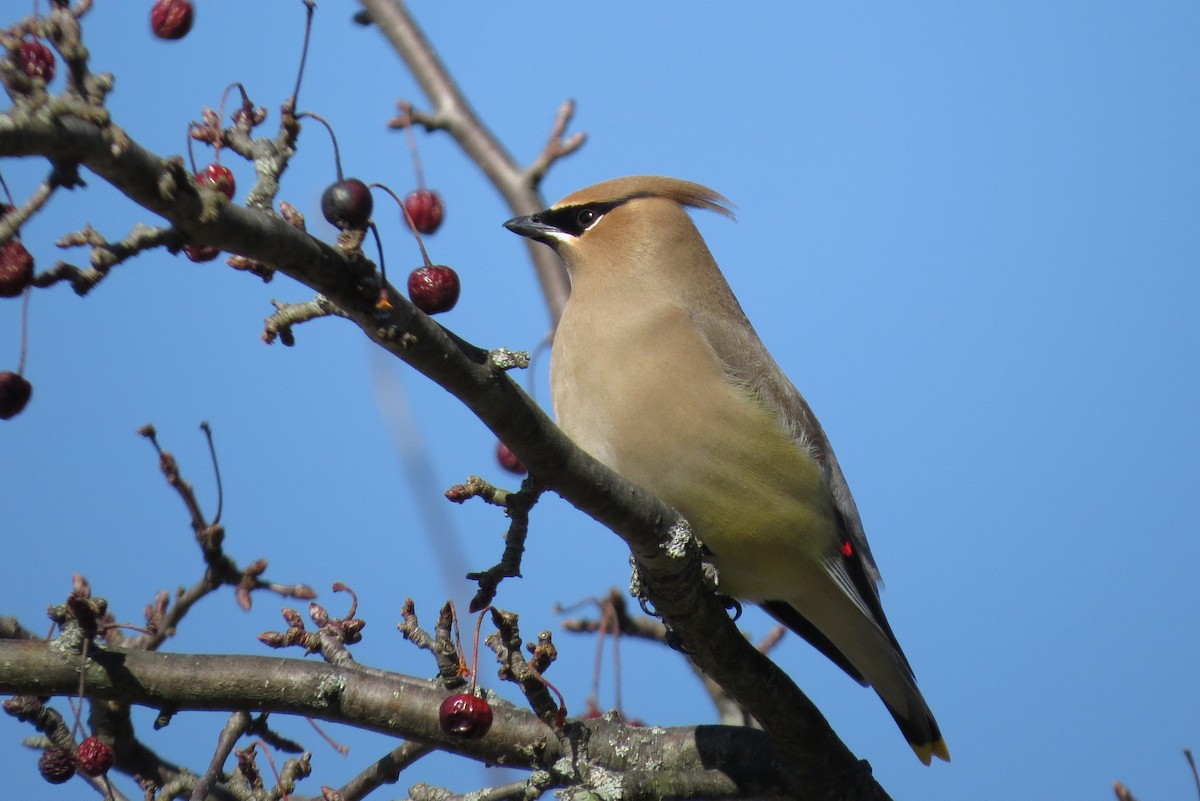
{"x":733,"y":338}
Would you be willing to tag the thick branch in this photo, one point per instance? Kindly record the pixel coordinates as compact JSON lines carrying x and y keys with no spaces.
{"x":735,"y":759}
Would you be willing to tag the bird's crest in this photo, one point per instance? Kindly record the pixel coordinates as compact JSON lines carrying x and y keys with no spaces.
{"x":685,"y":193}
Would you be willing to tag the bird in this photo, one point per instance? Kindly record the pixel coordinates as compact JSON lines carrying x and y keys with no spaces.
{"x":657,"y":373}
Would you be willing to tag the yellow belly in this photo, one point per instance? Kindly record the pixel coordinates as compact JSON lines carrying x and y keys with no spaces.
{"x":681,"y":429}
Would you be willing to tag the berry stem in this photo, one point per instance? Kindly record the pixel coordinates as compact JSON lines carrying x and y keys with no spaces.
{"x":309,"y":7}
{"x":24,"y":329}
{"x":221,"y":117}
{"x":212,"y":451}
{"x":407,"y":218}
{"x":340,"y":587}
{"x":475,"y":648}
{"x":615,"y":627}
{"x":598,"y":663}
{"x":266,"y":751}
{"x":82,"y":686}
{"x":562,"y":702}
{"x":334,"y":744}
{"x":383,"y":302}
{"x":220,"y":122}
{"x":1191,"y":760}
{"x":191,"y":153}
{"x":337,"y":154}
{"x":412,"y":146}
{"x":7,"y":194}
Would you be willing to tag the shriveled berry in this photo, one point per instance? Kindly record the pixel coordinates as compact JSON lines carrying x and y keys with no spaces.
{"x":434,"y":288}
{"x":466,"y":716}
{"x":36,"y":60}
{"x":508,"y":460}
{"x":200,"y":253}
{"x":16,"y":269}
{"x":56,"y":765}
{"x":347,"y":204}
{"x":171,"y":19}
{"x":218,"y":177}
{"x":424,"y":206}
{"x":94,"y":757}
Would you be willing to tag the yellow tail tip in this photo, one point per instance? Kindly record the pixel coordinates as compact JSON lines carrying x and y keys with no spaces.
{"x":927,"y":751}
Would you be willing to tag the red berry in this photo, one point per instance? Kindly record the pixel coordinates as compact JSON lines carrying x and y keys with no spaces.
{"x":425,"y":208}
{"x":94,"y":757}
{"x":218,"y":177}
{"x":466,"y":716}
{"x":36,"y":60}
{"x":56,"y":765}
{"x":14,"y":394}
{"x":347,"y":204}
{"x":199,"y":253}
{"x":16,"y":269}
{"x":508,"y":460}
{"x":171,"y":19}
{"x":433,"y":289}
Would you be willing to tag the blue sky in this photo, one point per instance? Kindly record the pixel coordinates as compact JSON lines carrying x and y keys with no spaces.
{"x":966,"y":231}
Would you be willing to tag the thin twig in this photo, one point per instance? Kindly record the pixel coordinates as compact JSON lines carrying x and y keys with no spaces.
{"x":279,"y":325}
{"x":104,"y":254}
{"x":557,"y":145}
{"x":518,"y":505}
{"x":506,"y":643}
{"x":237,"y":725}
{"x":11,"y":222}
{"x":385,"y":770}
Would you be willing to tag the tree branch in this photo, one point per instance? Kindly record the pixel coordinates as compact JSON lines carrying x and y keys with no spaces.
{"x":733,"y":759}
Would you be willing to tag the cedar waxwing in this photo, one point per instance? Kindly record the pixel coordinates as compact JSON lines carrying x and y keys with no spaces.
{"x":657,"y":373}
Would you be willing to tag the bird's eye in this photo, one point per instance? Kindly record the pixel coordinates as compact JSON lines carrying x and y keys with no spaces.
{"x":587,"y":218}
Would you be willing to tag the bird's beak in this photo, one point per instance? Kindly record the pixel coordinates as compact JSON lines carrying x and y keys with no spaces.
{"x":533,"y":228}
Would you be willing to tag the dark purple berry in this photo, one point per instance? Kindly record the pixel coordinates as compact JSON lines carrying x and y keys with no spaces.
{"x":171,"y":19}
{"x":218,"y":177}
{"x":508,"y":460}
{"x":36,"y":60}
{"x":466,"y":716}
{"x":425,"y":208}
{"x":16,"y":269}
{"x":15,"y":392}
{"x":347,"y":204}
{"x":200,"y":253}
{"x":94,"y":757}
{"x":433,"y":289}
